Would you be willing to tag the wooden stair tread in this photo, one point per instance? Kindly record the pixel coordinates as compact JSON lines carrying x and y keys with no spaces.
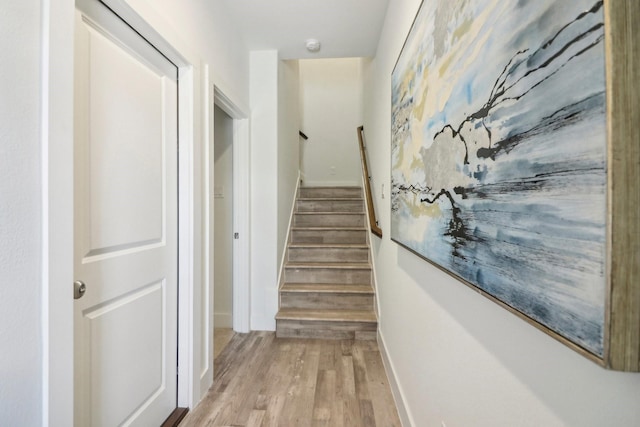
{"x":334,"y":213}
{"x":330,"y":199}
{"x":311,"y":213}
{"x":328,"y":246}
{"x":331,"y":187}
{"x":334,"y":228}
{"x":330,"y":265}
{"x":332,"y":288}
{"x":367,"y":316}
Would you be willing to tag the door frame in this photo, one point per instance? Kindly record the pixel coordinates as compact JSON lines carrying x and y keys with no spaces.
{"x":57,"y":39}
{"x":241,"y":208}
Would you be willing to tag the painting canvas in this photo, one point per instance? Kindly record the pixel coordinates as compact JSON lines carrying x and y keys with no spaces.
{"x":499,"y":155}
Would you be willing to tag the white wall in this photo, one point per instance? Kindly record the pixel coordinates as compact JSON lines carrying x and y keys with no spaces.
{"x":206,"y":27}
{"x":223,"y":217}
{"x":331,"y":111}
{"x":458,"y":357}
{"x":264,"y":188}
{"x":288,"y":146}
{"x":274,"y":175}
{"x":20,"y":209}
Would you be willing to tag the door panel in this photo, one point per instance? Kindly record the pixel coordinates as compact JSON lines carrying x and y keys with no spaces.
{"x":126,"y":128}
{"x":125,"y":226}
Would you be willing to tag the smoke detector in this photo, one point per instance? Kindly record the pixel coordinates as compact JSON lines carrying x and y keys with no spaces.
{"x":312,"y":45}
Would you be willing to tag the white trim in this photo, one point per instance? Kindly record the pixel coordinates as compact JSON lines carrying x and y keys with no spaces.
{"x":57,"y":211}
{"x":206,"y":332}
{"x":396,"y":390}
{"x":226,"y":104}
{"x":285,"y":252}
{"x":187,"y":313}
{"x":241,"y":205}
{"x":241,"y":210}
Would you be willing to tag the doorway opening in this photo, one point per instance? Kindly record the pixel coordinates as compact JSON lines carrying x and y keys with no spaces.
{"x":228,"y":200}
{"x":223,"y":229}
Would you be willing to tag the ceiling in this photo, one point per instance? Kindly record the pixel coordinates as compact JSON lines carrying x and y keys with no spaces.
{"x":345,"y":28}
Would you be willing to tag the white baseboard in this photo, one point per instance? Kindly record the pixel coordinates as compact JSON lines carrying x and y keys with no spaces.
{"x":398,"y":396}
{"x":222,"y":320}
{"x":263,"y":323}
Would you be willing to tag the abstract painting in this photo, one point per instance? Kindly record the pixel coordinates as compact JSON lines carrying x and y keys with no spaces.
{"x":499,"y":155}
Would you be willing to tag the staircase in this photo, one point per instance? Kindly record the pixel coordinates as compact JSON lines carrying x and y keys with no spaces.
{"x":327,"y":282}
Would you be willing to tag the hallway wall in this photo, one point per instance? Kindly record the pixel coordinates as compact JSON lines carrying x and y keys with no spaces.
{"x":458,"y":357}
{"x":274,"y":175}
{"x":288,"y":145}
{"x":207,"y":30}
{"x":20,"y":209}
{"x":331,"y":111}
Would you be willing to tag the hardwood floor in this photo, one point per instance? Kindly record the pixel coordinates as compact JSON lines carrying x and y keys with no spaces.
{"x":261,"y":380}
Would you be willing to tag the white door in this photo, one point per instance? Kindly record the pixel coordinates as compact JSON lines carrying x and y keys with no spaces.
{"x":125,"y":224}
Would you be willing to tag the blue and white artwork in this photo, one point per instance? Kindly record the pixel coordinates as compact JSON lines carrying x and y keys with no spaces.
{"x":499,"y":155}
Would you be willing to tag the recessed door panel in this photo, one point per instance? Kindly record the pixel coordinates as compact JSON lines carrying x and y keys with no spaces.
{"x":126,"y":336}
{"x":125,"y":157}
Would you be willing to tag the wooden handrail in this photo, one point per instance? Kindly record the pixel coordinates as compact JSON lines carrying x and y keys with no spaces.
{"x":373,"y":222}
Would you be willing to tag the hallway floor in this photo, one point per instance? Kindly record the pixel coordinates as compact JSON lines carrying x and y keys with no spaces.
{"x":264,"y":381}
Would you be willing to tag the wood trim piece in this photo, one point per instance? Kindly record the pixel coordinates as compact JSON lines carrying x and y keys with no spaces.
{"x":176,"y":417}
{"x":373,"y":223}
{"x":622,"y":343}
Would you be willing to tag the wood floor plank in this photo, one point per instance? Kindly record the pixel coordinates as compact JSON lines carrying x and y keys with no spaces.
{"x":360,"y":374}
{"x":298,"y":407}
{"x":325,"y":394}
{"x":269,"y":382}
{"x":255,"y":419}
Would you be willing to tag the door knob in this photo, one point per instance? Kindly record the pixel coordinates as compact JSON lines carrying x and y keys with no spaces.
{"x":79,"y":288}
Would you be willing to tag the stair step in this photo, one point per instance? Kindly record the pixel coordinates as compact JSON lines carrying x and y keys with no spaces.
{"x":331,"y":288}
{"x":330,"y":192}
{"x":325,"y":253}
{"x":336,"y":296}
{"x":326,"y":324}
{"x":329,"y":265}
{"x":317,"y":204}
{"x":355,"y":316}
{"x":328,"y":219}
{"x":329,"y":235}
{"x":308,"y":272}
{"x":328,"y":245}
